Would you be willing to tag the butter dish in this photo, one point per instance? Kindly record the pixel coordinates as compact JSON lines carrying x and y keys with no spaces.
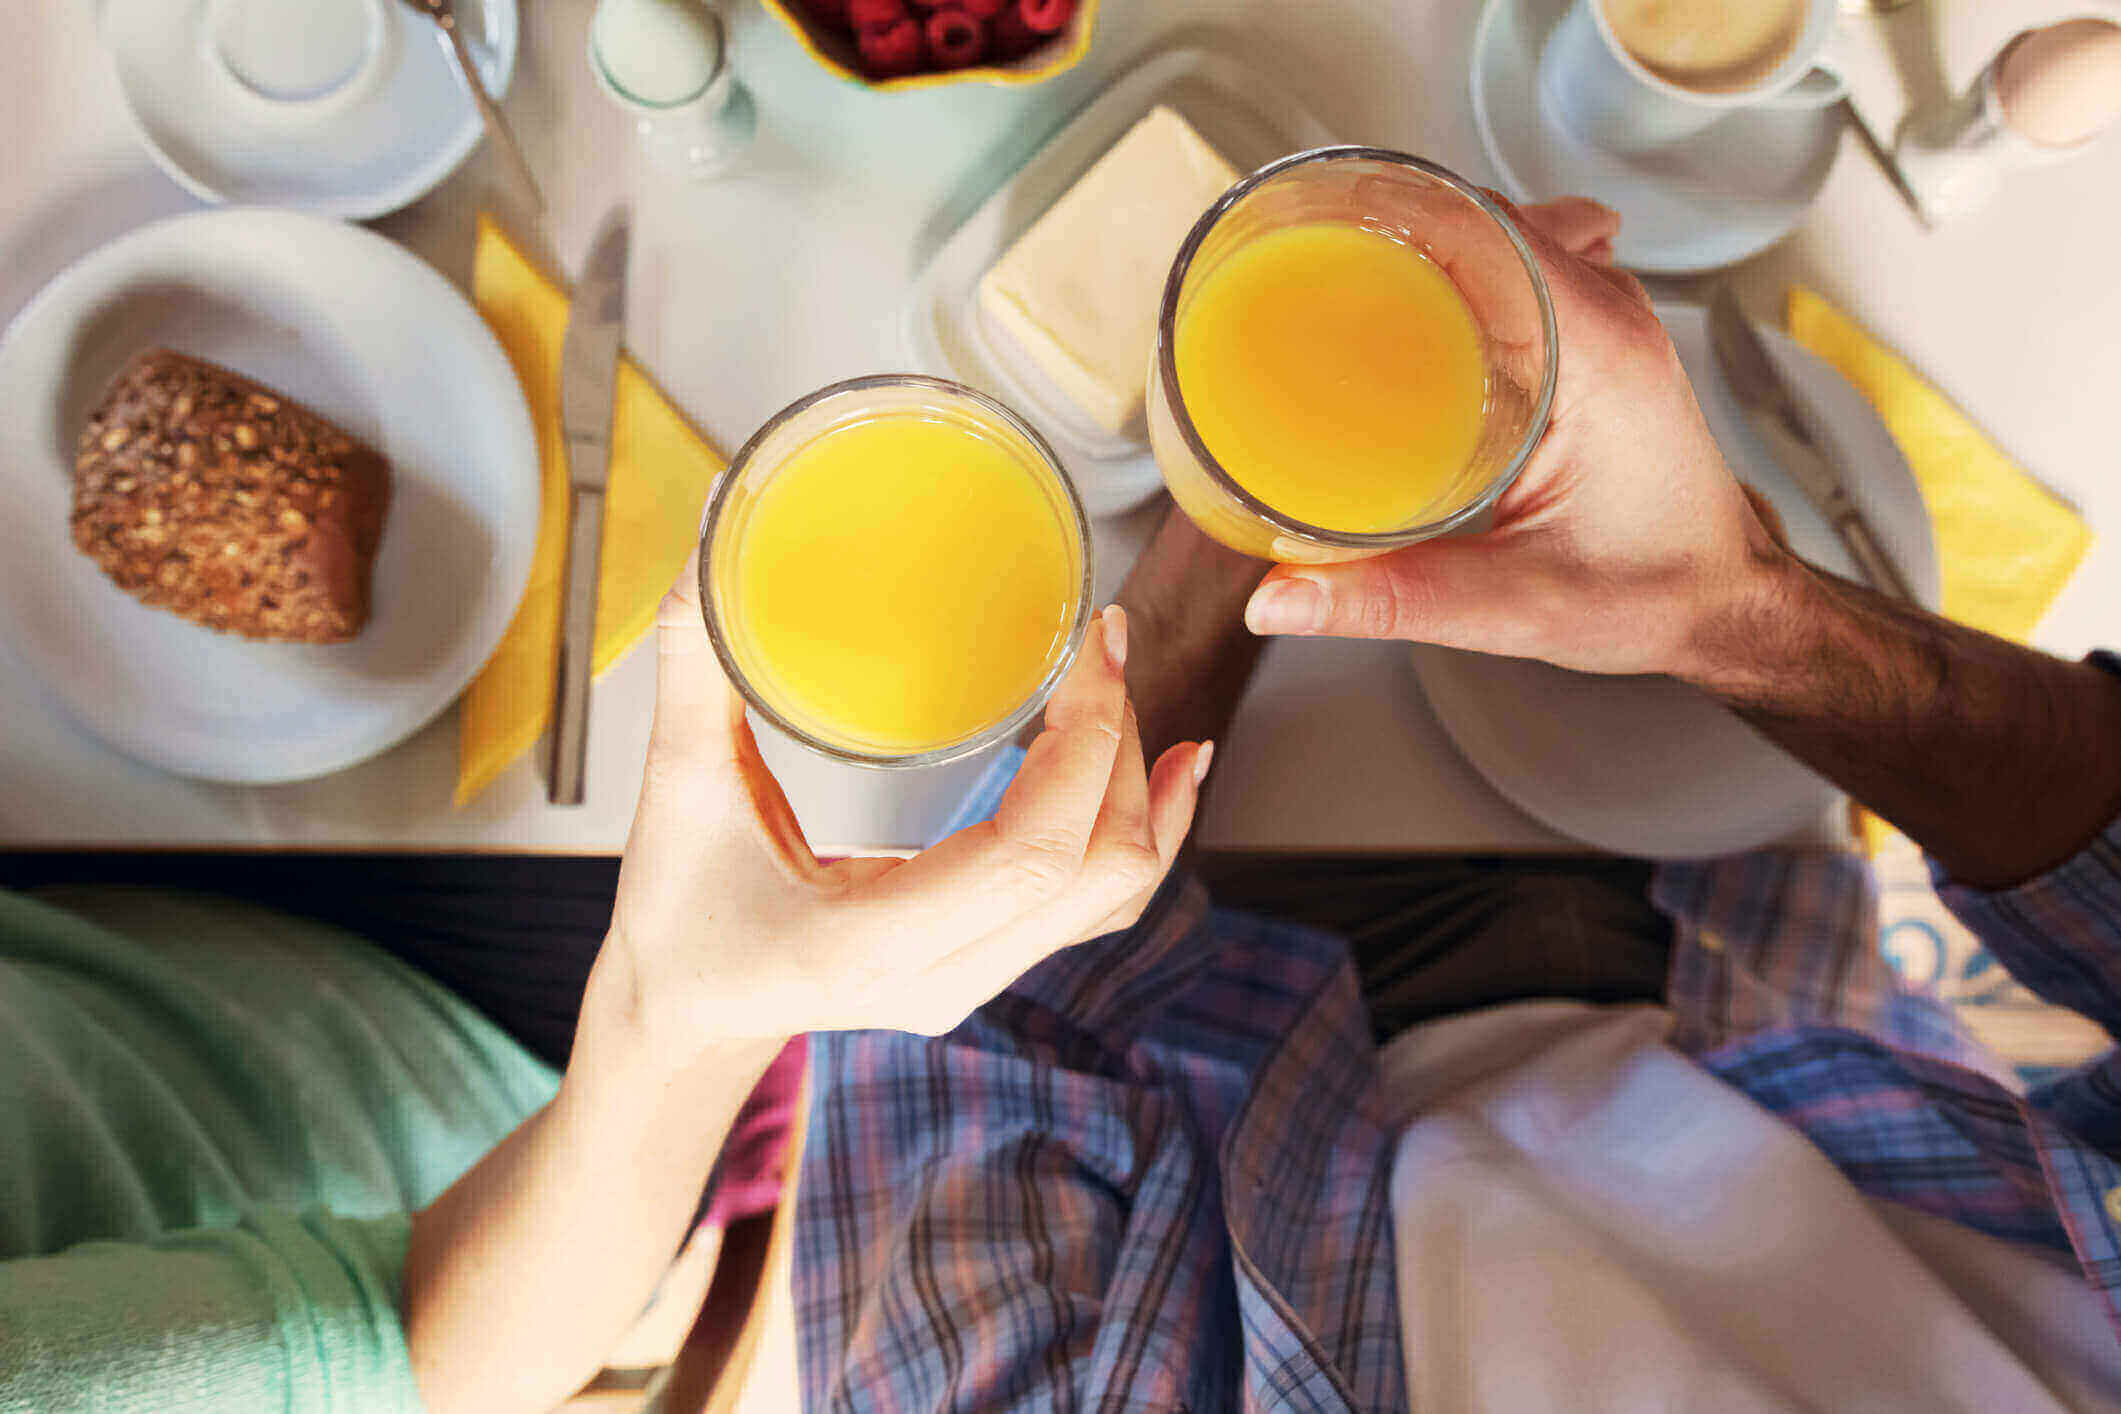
{"x":1233,"y":108}
{"x":1079,"y":290}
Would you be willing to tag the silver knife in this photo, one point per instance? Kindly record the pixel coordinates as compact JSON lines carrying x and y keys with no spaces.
{"x":1798,"y":438}
{"x":589,"y":364}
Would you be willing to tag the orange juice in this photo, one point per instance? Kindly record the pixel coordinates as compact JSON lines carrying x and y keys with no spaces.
{"x":1336,"y":374}
{"x":903,"y":581}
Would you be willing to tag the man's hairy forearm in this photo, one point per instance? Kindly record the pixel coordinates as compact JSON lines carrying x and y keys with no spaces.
{"x":2000,"y":761}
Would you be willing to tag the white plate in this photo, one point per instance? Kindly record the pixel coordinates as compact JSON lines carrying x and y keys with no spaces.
{"x":368,"y":335}
{"x":1242,"y":115}
{"x":398,"y":124}
{"x":1716,"y":198}
{"x":1647,"y":766}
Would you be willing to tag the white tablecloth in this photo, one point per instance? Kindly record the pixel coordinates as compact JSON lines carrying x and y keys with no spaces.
{"x":747,"y":294}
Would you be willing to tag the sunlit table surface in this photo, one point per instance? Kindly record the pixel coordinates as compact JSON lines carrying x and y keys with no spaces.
{"x":749,"y":293}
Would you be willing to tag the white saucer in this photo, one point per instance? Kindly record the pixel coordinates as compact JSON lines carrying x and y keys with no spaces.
{"x":1647,"y":766}
{"x":349,"y":108}
{"x":1714,"y":199}
{"x":368,"y":335}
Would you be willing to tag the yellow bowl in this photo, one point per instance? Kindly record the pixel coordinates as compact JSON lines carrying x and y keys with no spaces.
{"x":835,"y":50}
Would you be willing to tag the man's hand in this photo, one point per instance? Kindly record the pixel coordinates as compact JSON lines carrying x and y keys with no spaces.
{"x":1624,"y":533}
{"x":1626,"y":546}
{"x":727,"y":927}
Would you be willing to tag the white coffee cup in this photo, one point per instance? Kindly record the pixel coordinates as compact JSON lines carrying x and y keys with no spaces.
{"x":1603,"y":94}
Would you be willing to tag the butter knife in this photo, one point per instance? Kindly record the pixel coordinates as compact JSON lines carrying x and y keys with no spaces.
{"x":589,"y":364}
{"x":1798,"y":437}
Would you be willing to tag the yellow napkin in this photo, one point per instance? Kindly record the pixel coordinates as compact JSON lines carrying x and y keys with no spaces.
{"x":660,"y":472}
{"x":2005,"y":546}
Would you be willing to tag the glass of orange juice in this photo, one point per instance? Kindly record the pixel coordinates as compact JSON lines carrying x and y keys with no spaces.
{"x":895,"y":571}
{"x":1356,"y":352}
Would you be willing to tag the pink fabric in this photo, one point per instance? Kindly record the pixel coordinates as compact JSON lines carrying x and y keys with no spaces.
{"x":753,"y":1166}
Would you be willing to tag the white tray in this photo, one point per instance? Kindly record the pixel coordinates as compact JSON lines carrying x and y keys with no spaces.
{"x":1241,"y":114}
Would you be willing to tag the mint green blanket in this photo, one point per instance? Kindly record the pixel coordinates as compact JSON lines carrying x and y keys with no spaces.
{"x":214,"y":1121}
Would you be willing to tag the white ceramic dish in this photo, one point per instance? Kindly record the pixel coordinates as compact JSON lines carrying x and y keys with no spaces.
{"x":1647,"y":766}
{"x":368,"y":335}
{"x":1726,"y":193}
{"x":353,"y":111}
{"x":1242,"y":115}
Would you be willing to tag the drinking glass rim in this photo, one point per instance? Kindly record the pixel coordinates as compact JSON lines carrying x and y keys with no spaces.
{"x":1167,"y":353}
{"x":1063,"y":659}
{"x":601,"y":72}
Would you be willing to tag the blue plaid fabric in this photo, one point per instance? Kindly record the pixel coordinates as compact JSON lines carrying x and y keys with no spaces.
{"x":1153,"y":1175}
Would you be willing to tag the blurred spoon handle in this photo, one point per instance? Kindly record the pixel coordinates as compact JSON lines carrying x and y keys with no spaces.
{"x":504,"y":141}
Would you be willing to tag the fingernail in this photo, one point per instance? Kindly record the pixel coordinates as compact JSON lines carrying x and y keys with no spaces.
{"x":1201,"y":757}
{"x":1116,"y":637}
{"x":1286,"y":606}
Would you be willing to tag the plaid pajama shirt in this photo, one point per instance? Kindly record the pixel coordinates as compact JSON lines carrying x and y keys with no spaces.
{"x":1153,"y":1175}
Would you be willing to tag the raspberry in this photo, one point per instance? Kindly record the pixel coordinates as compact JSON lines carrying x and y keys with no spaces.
{"x":983,"y":9}
{"x":1010,"y":37}
{"x":1046,"y":16}
{"x":829,"y":12}
{"x":874,"y":14}
{"x":890,"y":50}
{"x":955,"y":39}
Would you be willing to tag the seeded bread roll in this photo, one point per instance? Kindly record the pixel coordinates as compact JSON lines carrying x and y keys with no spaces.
{"x":201,"y":492}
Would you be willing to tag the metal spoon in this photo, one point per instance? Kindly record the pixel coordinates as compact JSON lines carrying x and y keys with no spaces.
{"x":444,"y":14}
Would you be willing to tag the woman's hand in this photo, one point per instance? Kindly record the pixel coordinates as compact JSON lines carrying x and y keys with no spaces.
{"x":728,"y":928}
{"x":727,"y":937}
{"x":1624,"y":535}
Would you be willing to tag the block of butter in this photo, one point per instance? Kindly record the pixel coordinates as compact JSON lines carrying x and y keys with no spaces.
{"x":1080,"y":290}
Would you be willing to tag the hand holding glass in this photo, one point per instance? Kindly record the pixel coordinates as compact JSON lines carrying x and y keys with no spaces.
{"x":1355,"y":353}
